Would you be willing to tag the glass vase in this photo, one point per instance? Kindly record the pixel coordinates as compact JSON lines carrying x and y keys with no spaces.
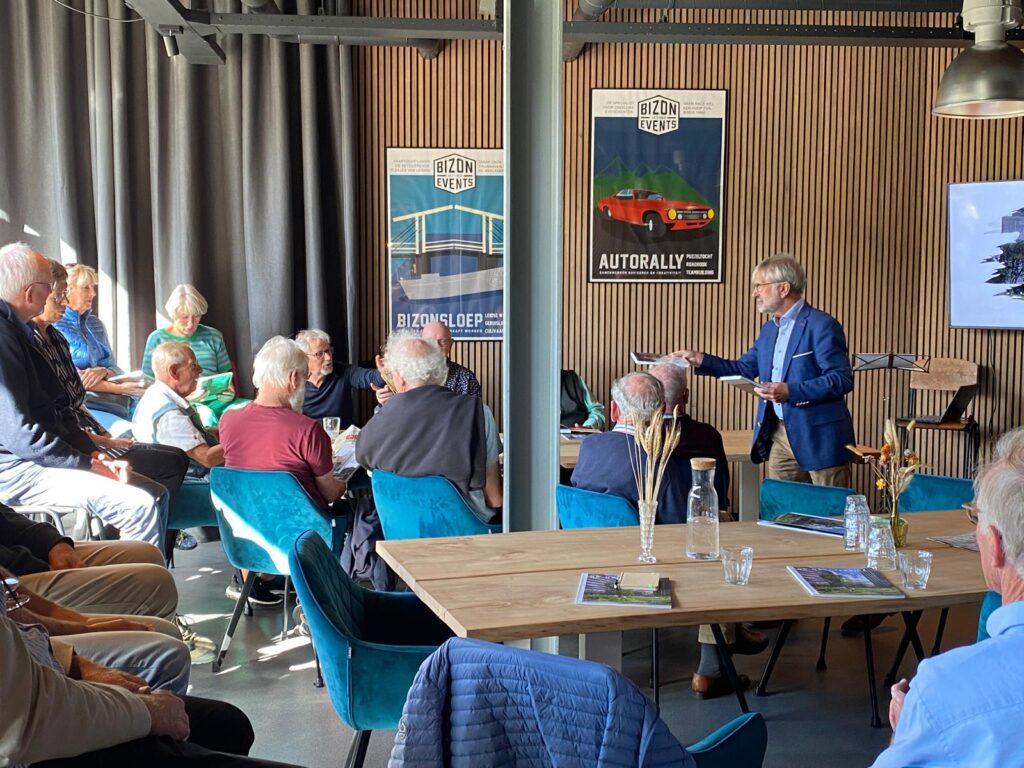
{"x":899,"y":526}
{"x":648,"y":512}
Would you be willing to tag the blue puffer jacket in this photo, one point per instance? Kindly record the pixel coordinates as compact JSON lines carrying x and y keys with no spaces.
{"x":484,"y":705}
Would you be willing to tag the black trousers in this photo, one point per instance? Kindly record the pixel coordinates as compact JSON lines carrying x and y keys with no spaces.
{"x":221,"y":737}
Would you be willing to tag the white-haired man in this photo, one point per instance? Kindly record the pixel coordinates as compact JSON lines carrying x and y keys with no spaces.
{"x":802,"y":361}
{"x":329,"y":386}
{"x":42,"y":461}
{"x":965,"y":706}
{"x":427,"y":429}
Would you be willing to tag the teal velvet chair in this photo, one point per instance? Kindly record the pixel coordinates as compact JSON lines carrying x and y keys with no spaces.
{"x":992,"y":601}
{"x":193,"y":506}
{"x":781,"y":496}
{"x":260,"y":515}
{"x":370,"y":644}
{"x":578,"y":508}
{"x":740,"y":743}
{"x":934,"y":492}
{"x":423,"y":508}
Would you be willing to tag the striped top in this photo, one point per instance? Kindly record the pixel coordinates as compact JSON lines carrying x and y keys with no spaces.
{"x":206,"y":342}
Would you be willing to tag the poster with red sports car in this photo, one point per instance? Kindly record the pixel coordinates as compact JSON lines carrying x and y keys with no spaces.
{"x":657,"y":160}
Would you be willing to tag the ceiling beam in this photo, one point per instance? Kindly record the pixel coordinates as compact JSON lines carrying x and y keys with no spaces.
{"x":867,"y":6}
{"x":172,"y":20}
{"x":363,"y":27}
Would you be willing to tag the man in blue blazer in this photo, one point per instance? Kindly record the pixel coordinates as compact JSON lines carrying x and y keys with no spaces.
{"x":801,"y":361}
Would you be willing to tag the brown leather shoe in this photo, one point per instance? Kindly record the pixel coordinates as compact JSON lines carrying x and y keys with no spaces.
{"x":748,"y":643}
{"x":707,"y":687}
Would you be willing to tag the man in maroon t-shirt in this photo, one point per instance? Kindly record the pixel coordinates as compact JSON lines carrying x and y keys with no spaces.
{"x":270,"y":433}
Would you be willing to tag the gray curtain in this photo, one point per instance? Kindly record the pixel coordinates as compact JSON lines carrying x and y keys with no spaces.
{"x":238,"y":178}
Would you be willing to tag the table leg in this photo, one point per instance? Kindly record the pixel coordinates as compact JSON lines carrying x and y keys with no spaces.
{"x":762,"y":687}
{"x":602,"y":647}
{"x":727,"y":665}
{"x":869,"y":659}
{"x":749,"y":478}
{"x":910,"y":619}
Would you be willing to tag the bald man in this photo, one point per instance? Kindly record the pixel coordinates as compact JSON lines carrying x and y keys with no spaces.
{"x":460,"y":379}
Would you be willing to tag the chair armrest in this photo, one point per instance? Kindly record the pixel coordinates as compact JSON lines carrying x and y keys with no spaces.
{"x":401,"y":619}
{"x":740,"y":743}
{"x":392,"y":669}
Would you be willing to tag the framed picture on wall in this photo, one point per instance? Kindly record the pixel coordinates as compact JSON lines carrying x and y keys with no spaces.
{"x":446,"y":240}
{"x":657,"y":159}
{"x":986,"y":255}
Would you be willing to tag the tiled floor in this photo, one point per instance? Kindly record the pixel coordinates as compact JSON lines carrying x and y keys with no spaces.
{"x":814,"y":718}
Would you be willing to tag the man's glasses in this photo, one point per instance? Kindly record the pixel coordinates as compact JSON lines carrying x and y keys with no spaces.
{"x":59,"y":296}
{"x":329,"y":352}
{"x":759,"y":286}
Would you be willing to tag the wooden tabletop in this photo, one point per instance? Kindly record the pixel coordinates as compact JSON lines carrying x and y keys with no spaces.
{"x":523,"y":585}
{"x":736,"y":443}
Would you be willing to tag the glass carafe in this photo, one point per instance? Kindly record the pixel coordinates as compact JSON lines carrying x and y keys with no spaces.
{"x":702,"y":512}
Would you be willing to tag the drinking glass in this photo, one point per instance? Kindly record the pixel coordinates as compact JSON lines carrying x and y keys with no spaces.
{"x":916,"y":567}
{"x":737,"y":562}
{"x":332,"y":426}
{"x":856,"y":516}
{"x":881,"y":547}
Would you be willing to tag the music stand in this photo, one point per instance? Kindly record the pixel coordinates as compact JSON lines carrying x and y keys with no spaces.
{"x":889,"y":362}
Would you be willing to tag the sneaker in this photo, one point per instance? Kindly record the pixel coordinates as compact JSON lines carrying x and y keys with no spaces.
{"x":299,"y":616}
{"x":185,"y":541}
{"x":260,"y":594}
{"x":188,"y":635}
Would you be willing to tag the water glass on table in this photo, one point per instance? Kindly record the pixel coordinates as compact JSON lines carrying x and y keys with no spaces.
{"x":916,"y":567}
{"x":332,"y":426}
{"x":881,"y":547}
{"x":856,"y":517}
{"x":737,"y":562}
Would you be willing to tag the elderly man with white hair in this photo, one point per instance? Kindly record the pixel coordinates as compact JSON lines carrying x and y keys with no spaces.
{"x":329,"y":386}
{"x":965,"y":706}
{"x":426,"y":429}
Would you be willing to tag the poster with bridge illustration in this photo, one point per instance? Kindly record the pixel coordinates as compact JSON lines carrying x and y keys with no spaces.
{"x":446,"y":240}
{"x":657,"y":159}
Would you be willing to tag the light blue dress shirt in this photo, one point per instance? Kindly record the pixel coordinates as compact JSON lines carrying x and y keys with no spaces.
{"x":785,"y":325}
{"x":965,"y":707}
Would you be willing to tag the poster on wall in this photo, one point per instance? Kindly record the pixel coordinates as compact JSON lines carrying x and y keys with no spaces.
{"x":657,"y":159}
{"x":446,"y":240}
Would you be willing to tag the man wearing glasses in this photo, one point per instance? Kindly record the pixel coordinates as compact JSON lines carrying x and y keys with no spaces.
{"x":803,"y":366}
{"x":461,"y":380}
{"x":329,"y":389}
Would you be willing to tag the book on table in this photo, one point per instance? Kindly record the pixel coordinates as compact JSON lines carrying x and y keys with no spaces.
{"x":741,"y":383}
{"x":611,"y":589}
{"x":823,"y":526}
{"x":820,"y":581}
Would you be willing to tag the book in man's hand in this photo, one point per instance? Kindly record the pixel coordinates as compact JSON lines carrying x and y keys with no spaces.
{"x":824,"y":526}
{"x":844,"y":582}
{"x":742,"y":383}
{"x":606,"y":589}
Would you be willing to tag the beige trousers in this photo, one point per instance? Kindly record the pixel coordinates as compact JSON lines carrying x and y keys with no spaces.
{"x":782,"y":465}
{"x":119,"y":577}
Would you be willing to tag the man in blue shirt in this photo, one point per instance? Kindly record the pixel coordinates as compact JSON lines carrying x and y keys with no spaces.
{"x":803,"y":366}
{"x":329,"y":391}
{"x":965,"y":706}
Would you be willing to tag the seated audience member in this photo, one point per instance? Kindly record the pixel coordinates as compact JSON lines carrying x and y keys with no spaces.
{"x":578,"y":408}
{"x":329,"y":390}
{"x":459,"y":379}
{"x":41,"y":460}
{"x":87,"y":337}
{"x":186,"y":307}
{"x":117,"y":577}
{"x":964,"y":706}
{"x":605,"y":466}
{"x":427,"y":429}
{"x":271,"y":433}
{"x":61,"y":711}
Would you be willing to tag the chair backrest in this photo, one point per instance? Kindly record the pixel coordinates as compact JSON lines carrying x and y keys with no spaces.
{"x":945,"y":374}
{"x":781,"y":496}
{"x":929,"y":492}
{"x":578,"y":508}
{"x":261,"y":514}
{"x":422,"y":508}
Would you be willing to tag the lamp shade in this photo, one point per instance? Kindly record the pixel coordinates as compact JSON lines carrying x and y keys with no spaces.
{"x":984,"y":81}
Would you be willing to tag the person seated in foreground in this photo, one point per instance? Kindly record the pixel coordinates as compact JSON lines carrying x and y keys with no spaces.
{"x":605,"y":465}
{"x":427,"y":429}
{"x":329,"y":389}
{"x":61,"y":711}
{"x":578,"y":407}
{"x":964,"y":706}
{"x":271,"y":433}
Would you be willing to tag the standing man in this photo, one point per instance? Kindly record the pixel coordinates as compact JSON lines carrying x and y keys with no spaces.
{"x":801,"y":359}
{"x":329,"y":389}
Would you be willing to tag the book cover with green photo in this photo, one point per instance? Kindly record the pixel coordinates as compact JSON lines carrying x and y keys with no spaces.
{"x":605,"y":589}
{"x":844,"y":582}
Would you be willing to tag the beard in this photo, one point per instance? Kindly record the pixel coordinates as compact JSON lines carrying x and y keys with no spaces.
{"x":297,"y":398}
{"x":327,"y":369}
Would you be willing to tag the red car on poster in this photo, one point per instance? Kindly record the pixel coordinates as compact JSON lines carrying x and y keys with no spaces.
{"x":650,"y":210}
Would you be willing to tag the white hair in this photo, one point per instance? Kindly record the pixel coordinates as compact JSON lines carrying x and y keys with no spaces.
{"x":999,"y":490}
{"x":673,"y":381}
{"x":81,"y":275}
{"x":305,"y":337}
{"x":187,"y":300}
{"x":170,"y":353}
{"x":419,"y":361}
{"x":18,"y":268}
{"x":638,"y":395}
{"x":276,"y":360}
{"x":782,"y":268}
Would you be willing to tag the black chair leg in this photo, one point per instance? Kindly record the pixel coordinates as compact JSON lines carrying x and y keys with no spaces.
{"x":284,"y":606}
{"x":243,"y":600}
{"x":730,"y":671}
{"x":869,"y":660}
{"x":319,"y":682}
{"x":821,"y":666}
{"x":655,"y":671}
{"x":937,"y":646}
{"x":357,"y":752}
{"x":780,"y":641}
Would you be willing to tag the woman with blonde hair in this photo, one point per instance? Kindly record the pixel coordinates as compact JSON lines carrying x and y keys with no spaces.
{"x":186,"y":307}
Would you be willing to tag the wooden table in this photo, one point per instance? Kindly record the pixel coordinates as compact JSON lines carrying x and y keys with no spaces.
{"x":523,"y":585}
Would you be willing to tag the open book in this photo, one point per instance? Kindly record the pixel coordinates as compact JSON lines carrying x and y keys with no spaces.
{"x":825,"y":526}
{"x":213,"y":385}
{"x":343,"y":449}
{"x":138,"y":376}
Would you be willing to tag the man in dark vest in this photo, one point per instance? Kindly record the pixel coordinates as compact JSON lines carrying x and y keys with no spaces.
{"x":426,"y":429}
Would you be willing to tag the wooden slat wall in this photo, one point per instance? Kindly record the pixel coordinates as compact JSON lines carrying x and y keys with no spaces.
{"x":831,"y":155}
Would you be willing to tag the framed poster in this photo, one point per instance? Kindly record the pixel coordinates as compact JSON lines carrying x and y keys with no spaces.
{"x":446,"y":240}
{"x":657,"y":159}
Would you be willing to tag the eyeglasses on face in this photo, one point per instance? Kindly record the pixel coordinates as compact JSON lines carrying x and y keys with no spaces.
{"x":759,"y":286}
{"x":329,"y":352}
